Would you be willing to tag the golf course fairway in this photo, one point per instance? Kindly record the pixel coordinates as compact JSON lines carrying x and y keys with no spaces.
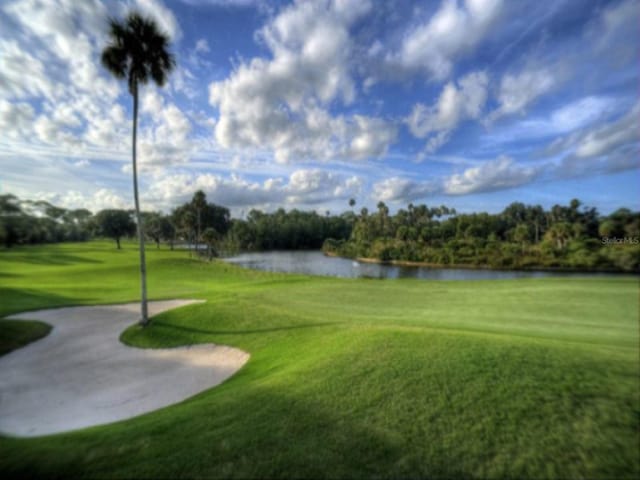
{"x":528,"y":378}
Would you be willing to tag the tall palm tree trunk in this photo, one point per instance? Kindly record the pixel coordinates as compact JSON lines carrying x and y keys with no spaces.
{"x":143,"y":267}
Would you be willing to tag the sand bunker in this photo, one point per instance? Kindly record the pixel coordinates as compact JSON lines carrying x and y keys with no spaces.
{"x":81,"y":375}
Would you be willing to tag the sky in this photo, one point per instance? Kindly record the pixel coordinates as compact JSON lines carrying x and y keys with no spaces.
{"x":473,"y":104}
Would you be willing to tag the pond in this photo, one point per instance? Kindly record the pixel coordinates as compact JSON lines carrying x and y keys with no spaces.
{"x":316,"y":263}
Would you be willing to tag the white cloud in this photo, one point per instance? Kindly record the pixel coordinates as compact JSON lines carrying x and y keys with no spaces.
{"x":370,"y":137}
{"x":151,"y":102}
{"x":79,"y":112}
{"x":607,"y":138}
{"x":579,"y":113}
{"x":303,"y":187}
{"x":497,"y":174}
{"x":281,"y":104}
{"x":101,"y":199}
{"x":224,"y":3}
{"x":202,"y":46}
{"x":79,"y":101}
{"x":165,"y":136}
{"x":164,"y":17}
{"x":454,"y":29}
{"x":617,"y":24}
{"x":69,"y":31}
{"x":602,"y":139}
{"x":55,"y":65}
{"x":16,"y":119}
{"x":21,"y":74}
{"x":564,"y":119}
{"x":314,"y":186}
{"x":455,"y":104}
{"x":518,"y":91}
{"x":397,"y":189}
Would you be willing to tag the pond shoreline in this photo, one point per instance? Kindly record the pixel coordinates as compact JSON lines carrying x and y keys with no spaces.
{"x":466,"y":266}
{"x":315,"y":262}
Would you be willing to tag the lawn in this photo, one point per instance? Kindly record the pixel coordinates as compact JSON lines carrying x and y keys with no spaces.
{"x":534,"y":378}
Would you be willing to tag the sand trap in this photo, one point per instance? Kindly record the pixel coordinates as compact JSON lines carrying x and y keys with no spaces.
{"x":80,"y":375}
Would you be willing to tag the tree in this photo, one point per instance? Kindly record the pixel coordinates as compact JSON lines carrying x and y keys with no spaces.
{"x":559,"y":234}
{"x":210,"y":238}
{"x":199,"y":203}
{"x":115,"y":224}
{"x":11,"y":219}
{"x":192,"y":218}
{"x":138,"y":51}
{"x":521,"y":235}
{"x":158,"y":227}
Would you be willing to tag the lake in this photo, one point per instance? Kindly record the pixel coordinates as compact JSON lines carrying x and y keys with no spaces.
{"x":316,"y":263}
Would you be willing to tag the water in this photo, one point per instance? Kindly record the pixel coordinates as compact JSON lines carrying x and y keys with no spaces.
{"x":316,"y":263}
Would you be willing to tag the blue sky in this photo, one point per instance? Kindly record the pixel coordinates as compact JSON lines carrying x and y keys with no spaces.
{"x":473,"y":104}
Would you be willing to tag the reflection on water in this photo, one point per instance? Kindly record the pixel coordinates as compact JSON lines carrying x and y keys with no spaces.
{"x":315,"y":263}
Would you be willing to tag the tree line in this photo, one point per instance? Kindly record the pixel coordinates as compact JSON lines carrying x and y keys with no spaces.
{"x":521,"y":236}
{"x":28,"y":222}
{"x":24,"y":222}
{"x":204,"y":226}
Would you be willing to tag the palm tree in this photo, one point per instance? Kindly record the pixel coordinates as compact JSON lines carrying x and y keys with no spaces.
{"x":199,"y":202}
{"x":138,"y":51}
{"x":560,"y":234}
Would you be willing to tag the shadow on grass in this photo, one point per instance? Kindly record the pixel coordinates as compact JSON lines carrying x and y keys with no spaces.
{"x":49,"y":259}
{"x":253,"y":433}
{"x":14,"y":300}
{"x":241,"y":332}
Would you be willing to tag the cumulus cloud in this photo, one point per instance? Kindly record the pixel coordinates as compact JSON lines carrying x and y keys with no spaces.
{"x":397,"y":189}
{"x":170,"y":128}
{"x":164,"y":17}
{"x":165,"y":133}
{"x":281,"y":103}
{"x":455,"y":28}
{"x":16,"y":119}
{"x":302,"y":187}
{"x":79,"y":111}
{"x":369,"y":137}
{"x":22,"y":75}
{"x":68,"y":30}
{"x":517,"y":91}
{"x":455,"y":104}
{"x":498,"y":174}
{"x":101,"y":199}
{"x":53,"y":64}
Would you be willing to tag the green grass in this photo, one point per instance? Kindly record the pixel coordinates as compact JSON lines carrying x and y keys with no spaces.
{"x":18,"y":333}
{"x":534,"y":378}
